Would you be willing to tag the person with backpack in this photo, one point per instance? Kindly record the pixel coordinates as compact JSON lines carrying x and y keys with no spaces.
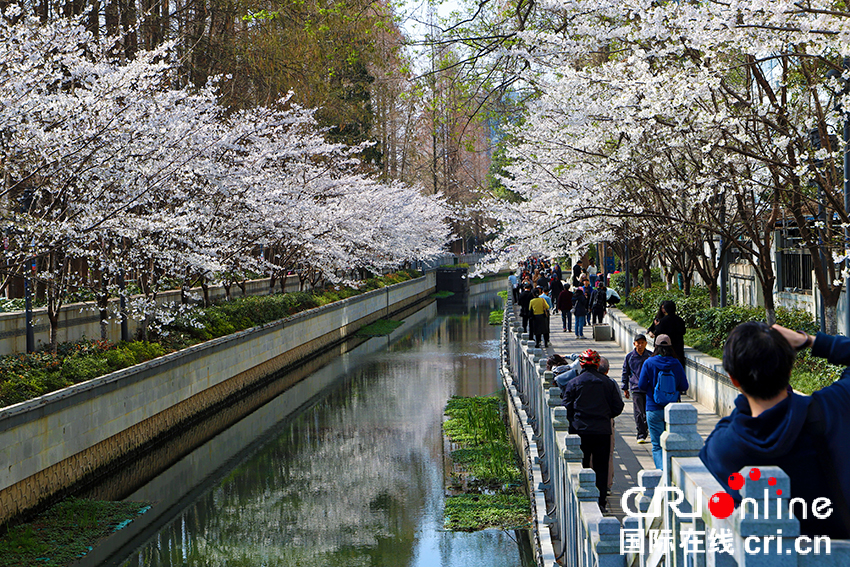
{"x":806,"y":436}
{"x":663,"y":378}
{"x":598,"y":302}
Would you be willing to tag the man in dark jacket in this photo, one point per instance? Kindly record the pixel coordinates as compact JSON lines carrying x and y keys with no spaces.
{"x":555,"y":287}
{"x":673,"y":326}
{"x":631,"y":373}
{"x":581,"y":307}
{"x":806,"y":436}
{"x":592,"y":400}
{"x":524,"y":299}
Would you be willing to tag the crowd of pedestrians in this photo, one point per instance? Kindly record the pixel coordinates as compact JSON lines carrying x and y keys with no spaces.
{"x":582,"y":302}
{"x":770,"y":425}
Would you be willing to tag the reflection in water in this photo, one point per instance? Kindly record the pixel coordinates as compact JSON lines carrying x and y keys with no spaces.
{"x":356,"y":479}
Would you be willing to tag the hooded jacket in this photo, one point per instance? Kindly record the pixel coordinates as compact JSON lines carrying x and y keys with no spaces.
{"x":778,"y":437}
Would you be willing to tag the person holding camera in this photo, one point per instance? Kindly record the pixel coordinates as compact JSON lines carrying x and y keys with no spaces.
{"x":806,"y":436}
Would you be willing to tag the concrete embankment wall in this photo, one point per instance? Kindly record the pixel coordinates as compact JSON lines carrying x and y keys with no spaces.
{"x":57,"y":441}
{"x":78,"y":320}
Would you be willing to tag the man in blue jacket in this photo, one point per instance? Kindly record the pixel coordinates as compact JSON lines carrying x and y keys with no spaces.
{"x":806,"y":436}
{"x":592,"y":400}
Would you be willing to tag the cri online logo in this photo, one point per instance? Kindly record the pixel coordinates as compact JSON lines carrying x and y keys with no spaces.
{"x":721,"y":505}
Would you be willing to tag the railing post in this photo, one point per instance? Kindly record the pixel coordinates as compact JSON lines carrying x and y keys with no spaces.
{"x":768,"y":522}
{"x":608,"y":546}
{"x":680,"y":439}
{"x":571,"y":454}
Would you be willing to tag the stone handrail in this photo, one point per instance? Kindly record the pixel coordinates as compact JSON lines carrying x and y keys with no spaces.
{"x":565,"y":498}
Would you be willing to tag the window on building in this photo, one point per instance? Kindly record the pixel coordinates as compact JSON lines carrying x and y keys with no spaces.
{"x":796,"y":271}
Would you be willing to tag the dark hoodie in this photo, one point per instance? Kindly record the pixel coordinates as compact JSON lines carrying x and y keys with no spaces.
{"x":777,"y":437}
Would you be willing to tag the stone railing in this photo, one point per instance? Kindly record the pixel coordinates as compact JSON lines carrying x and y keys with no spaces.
{"x":569,"y":526}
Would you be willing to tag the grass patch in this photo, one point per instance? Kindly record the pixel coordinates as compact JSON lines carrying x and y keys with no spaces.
{"x":64,"y":533}
{"x":443,"y":294}
{"x":471,"y":512}
{"x":380,"y":328}
{"x":484,"y":468}
{"x":496,"y":316}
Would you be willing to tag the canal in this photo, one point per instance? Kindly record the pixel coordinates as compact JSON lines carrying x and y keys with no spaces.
{"x":345,"y":467}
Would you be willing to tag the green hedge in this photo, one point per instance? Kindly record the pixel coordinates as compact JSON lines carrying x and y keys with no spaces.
{"x":708,"y":328}
{"x":25,"y":376}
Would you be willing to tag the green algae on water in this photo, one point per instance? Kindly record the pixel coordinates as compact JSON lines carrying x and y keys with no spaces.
{"x":485,"y":478}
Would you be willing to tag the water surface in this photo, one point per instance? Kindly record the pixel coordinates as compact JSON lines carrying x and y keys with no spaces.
{"x":355,"y":477}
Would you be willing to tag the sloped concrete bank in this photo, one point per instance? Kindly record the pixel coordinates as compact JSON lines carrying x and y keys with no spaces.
{"x":54,"y":443}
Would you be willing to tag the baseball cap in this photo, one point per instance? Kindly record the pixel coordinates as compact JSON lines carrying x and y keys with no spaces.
{"x":663,"y":340}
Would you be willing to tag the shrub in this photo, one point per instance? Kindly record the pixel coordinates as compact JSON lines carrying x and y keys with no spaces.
{"x":142,"y":351}
{"x":21,"y":387}
{"x":120,"y":358}
{"x":77,"y":369}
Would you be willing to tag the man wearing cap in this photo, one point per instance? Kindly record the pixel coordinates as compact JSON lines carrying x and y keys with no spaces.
{"x":592,"y":400}
{"x":631,"y":373}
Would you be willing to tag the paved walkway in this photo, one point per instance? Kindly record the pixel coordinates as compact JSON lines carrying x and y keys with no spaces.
{"x":629,"y":456}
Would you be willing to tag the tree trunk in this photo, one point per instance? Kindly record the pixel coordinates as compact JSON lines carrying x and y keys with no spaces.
{"x":227,"y":286}
{"x":769,"y":305}
{"x":713,"y":294}
{"x":206,"y":287}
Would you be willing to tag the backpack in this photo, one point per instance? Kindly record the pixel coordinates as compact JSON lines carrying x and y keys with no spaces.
{"x":665,"y":388}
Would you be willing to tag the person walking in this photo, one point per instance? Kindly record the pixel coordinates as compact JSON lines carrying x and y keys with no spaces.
{"x":631,"y":374}
{"x":565,"y":305}
{"x":556,"y":286}
{"x":577,"y":271}
{"x":598,"y":303}
{"x":591,"y":273}
{"x":581,"y":302}
{"x":670,"y":324}
{"x":513,"y":279}
{"x":539,"y":309}
{"x":663,"y":379}
{"x":592,"y":401}
{"x":524,"y":299}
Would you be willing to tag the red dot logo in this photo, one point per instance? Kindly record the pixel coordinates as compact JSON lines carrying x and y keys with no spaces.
{"x":755,"y":474}
{"x":779,"y":492}
{"x":771,"y":481}
{"x":721,"y":505}
{"x":736,"y":481}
